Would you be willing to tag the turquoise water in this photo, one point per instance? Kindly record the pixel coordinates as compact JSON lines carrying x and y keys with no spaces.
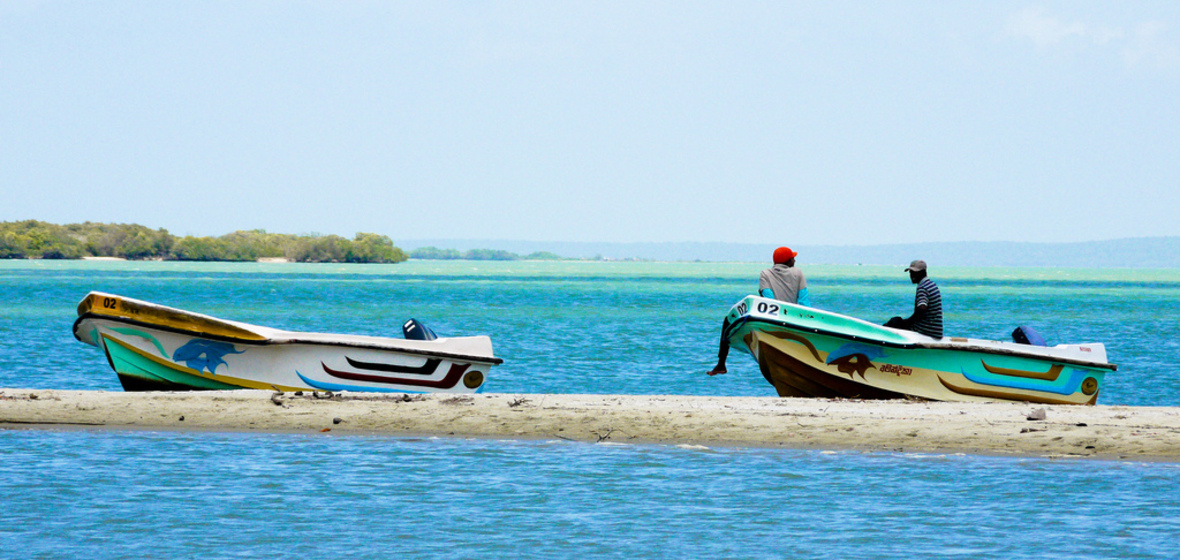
{"x":647,"y":328}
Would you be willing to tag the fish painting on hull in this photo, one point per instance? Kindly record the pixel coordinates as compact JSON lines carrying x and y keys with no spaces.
{"x":204,"y":355}
{"x":854,"y":358}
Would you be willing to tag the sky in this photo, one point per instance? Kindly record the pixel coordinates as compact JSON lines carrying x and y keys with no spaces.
{"x":807,"y":123}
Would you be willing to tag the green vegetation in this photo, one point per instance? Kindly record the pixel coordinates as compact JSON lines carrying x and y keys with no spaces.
{"x":434,"y":253}
{"x":34,"y":239}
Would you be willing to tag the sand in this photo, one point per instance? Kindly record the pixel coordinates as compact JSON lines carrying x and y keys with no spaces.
{"x":1017,"y":429}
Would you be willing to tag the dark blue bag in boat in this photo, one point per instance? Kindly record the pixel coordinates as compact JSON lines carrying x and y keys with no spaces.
{"x":1025,"y":335}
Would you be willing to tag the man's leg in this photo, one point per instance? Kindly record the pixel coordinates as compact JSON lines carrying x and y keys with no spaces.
{"x":722,"y":352}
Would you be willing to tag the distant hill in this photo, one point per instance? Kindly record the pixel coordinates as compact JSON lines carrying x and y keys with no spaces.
{"x":1146,"y":252}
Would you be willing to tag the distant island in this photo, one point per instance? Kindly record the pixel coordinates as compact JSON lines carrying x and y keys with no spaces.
{"x":32,"y":239}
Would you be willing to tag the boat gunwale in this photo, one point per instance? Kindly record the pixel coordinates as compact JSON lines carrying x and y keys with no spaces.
{"x":292,"y":340}
{"x":939,"y":345}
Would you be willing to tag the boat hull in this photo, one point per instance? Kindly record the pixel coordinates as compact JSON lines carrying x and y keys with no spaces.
{"x":803,"y":352}
{"x":159,"y":355}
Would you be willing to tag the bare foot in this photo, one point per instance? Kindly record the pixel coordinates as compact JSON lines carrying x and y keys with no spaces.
{"x":717,"y":371}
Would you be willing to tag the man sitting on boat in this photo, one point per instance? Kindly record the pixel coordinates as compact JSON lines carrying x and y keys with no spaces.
{"x":782,"y":282}
{"x":927,"y":317}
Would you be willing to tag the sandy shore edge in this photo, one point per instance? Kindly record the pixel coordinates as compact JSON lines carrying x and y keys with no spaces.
{"x":1102,"y":432}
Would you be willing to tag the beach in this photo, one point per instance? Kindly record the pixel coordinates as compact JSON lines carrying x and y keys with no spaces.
{"x":1006,"y":429}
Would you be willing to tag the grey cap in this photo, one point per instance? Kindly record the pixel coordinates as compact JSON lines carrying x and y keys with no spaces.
{"x":916,"y":266}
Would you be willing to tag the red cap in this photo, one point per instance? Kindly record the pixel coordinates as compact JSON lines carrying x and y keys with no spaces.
{"x":784,"y":254}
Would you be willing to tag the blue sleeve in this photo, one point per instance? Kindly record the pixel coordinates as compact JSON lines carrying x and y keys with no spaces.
{"x":766,"y":293}
{"x":804,"y":299}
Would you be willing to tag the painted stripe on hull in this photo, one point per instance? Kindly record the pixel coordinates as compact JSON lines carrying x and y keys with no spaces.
{"x":338,"y":387}
{"x":1063,"y":385}
{"x":1050,"y":375}
{"x":447,"y":382}
{"x":424,"y":369}
{"x":1009,"y":395}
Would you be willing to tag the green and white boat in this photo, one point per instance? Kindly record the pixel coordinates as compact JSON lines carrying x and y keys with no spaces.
{"x":806,"y":352}
{"x":156,"y":348}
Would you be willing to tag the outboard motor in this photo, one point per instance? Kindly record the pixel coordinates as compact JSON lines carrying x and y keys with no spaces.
{"x":413,"y":330}
{"x":1025,"y":335}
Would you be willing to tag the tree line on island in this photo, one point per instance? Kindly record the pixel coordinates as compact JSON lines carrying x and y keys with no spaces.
{"x":32,"y":239}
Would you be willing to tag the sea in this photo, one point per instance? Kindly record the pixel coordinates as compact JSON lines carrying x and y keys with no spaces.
{"x":602,"y":327}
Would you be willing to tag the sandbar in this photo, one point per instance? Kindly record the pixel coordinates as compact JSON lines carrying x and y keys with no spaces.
{"x":1004,"y":428}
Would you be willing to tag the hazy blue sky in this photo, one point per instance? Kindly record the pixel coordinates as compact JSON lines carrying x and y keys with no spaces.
{"x":846,"y":123}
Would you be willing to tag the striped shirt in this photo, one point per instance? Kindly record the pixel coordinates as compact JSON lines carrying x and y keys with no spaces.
{"x":931,"y":323}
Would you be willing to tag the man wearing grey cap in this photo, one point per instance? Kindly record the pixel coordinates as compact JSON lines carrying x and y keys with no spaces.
{"x":927,"y":317}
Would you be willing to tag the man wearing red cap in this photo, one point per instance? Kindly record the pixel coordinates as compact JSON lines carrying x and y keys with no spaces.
{"x":782,"y":282}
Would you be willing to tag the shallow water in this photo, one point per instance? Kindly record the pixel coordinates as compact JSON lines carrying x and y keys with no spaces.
{"x":644,"y":328}
{"x":173,"y":495}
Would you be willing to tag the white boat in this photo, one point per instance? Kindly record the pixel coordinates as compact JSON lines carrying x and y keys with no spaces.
{"x":156,"y":348}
